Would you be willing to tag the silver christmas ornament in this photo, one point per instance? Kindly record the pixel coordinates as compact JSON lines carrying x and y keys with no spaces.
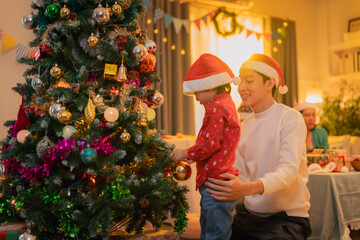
{"x":38,"y":2}
{"x":150,"y":46}
{"x":54,"y":110}
{"x":27,"y":21}
{"x":43,"y":146}
{"x":157,"y":100}
{"x":36,"y":83}
{"x":26,"y":236}
{"x":2,"y":170}
{"x":101,"y":15}
{"x":139,"y":52}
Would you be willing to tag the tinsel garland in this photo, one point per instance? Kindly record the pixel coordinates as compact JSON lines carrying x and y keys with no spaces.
{"x":57,"y":153}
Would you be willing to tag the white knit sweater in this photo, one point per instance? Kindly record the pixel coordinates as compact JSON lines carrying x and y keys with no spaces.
{"x":272,"y":149}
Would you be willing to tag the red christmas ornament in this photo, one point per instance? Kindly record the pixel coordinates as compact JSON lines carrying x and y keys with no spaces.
{"x":22,"y":120}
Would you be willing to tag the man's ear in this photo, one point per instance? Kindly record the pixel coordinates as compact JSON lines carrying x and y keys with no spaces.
{"x":270,"y":83}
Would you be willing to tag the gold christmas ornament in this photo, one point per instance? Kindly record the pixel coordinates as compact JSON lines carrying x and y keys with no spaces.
{"x":151,"y":114}
{"x":64,"y":12}
{"x":61,"y":83}
{"x":125,"y":136}
{"x":121,"y":76}
{"x":125,"y":4}
{"x":122,"y":71}
{"x":92,"y":40}
{"x":115,"y":134}
{"x":80,"y":127}
{"x":110,"y":71}
{"x":64,"y":116}
{"x":55,"y":71}
{"x":116,"y":9}
{"x":89,"y":112}
{"x":141,"y":122}
{"x":182,"y":171}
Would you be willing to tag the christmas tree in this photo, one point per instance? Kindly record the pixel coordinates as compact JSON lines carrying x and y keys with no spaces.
{"x":84,"y":157}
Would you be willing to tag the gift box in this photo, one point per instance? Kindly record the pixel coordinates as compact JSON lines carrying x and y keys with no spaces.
{"x":12,"y":231}
{"x":9,"y":235}
{"x":321,"y":159}
{"x":340,"y":157}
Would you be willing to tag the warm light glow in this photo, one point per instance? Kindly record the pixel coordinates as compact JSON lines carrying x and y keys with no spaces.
{"x":182,"y":52}
{"x":156,"y":31}
{"x":164,"y":40}
{"x":314,"y":95}
{"x":148,"y":21}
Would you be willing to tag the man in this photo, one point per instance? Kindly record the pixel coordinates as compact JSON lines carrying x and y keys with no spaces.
{"x":271,"y":161}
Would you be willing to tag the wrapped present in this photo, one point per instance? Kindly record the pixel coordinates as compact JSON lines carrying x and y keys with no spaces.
{"x":110,"y":71}
{"x":321,"y":159}
{"x":340,"y":157}
{"x":8,"y":230}
{"x":9,"y":235}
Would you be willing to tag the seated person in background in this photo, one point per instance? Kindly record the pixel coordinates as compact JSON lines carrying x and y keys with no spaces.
{"x":316,"y":137}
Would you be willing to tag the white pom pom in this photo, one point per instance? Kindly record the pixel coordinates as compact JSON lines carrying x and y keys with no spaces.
{"x":344,"y":169}
{"x":283,"y":89}
{"x":236,"y":80}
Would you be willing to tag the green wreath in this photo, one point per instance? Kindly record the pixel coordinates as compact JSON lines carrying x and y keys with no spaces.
{"x":226,"y":14}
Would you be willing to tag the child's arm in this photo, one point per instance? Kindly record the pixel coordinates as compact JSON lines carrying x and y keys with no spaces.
{"x":180,"y":154}
{"x":209,"y":139}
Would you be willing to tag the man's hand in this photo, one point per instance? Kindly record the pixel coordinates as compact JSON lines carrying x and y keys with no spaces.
{"x":179,"y":154}
{"x":232,"y":188}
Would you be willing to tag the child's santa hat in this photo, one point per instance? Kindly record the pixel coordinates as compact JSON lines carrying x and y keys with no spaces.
{"x":267,"y":66}
{"x":304,"y":105}
{"x":206,"y":73}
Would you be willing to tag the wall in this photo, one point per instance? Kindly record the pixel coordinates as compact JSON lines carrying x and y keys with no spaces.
{"x":11,"y":72}
{"x":318,"y":24}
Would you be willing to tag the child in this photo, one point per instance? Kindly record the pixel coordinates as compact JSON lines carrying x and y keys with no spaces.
{"x":209,"y":79}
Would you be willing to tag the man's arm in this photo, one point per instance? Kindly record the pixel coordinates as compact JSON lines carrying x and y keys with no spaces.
{"x":232,"y":188}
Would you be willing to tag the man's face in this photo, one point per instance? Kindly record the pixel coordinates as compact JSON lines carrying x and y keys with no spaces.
{"x":252,"y":88}
{"x":309,"y":117}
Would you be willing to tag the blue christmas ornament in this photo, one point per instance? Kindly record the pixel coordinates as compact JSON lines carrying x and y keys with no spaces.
{"x":88,"y":155}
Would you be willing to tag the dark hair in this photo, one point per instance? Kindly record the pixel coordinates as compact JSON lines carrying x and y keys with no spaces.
{"x":265,"y":78}
{"x":223,"y":88}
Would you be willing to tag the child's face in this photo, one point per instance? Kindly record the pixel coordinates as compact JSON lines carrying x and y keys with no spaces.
{"x":205,"y":96}
{"x":252,"y":88}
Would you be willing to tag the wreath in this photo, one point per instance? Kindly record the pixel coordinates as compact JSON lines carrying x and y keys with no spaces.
{"x":221,"y":12}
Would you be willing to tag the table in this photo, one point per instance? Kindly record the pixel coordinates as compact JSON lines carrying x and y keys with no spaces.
{"x":335,"y":204}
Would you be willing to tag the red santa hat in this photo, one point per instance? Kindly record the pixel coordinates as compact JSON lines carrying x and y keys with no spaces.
{"x":206,"y":73}
{"x":267,"y":66}
{"x":304,"y":105}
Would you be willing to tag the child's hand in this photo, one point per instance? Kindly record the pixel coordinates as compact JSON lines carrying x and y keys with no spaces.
{"x":179,"y":154}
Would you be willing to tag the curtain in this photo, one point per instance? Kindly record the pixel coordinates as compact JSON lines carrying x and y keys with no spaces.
{"x":287,"y":58}
{"x":177,"y":113}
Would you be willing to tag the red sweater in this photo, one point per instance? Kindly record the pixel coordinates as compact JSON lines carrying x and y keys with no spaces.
{"x":214,"y":149}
